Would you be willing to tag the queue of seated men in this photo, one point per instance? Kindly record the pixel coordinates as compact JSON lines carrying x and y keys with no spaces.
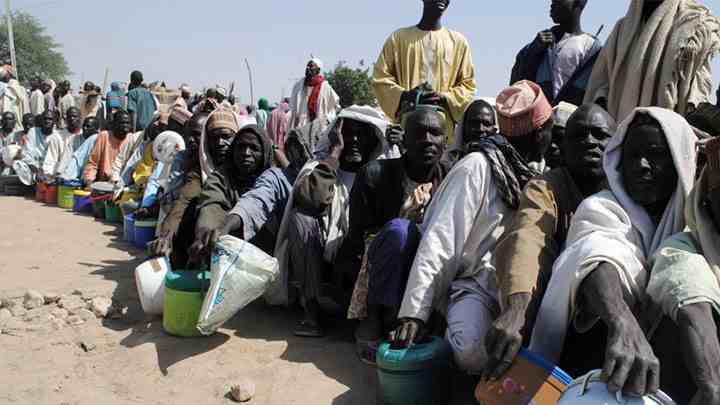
{"x":572,"y":213}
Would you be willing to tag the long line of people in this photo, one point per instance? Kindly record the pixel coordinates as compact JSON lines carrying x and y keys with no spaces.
{"x":574,"y":213}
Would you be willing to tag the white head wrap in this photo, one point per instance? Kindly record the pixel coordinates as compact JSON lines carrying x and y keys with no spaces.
{"x":318,"y":62}
{"x":167,"y":145}
{"x":562,"y":113}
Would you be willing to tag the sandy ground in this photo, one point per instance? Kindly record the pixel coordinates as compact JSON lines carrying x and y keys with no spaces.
{"x":134,"y":361}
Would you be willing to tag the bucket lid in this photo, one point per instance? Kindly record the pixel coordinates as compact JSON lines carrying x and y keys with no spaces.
{"x":102,"y":187}
{"x":660,"y":398}
{"x":419,"y":357}
{"x":150,"y":223}
{"x":24,"y":173}
{"x":81,"y":193}
{"x":72,"y":183}
{"x":188,"y":281}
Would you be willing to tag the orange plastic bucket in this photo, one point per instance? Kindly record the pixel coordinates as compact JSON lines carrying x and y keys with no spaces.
{"x":40,"y":191}
{"x":51,"y":195}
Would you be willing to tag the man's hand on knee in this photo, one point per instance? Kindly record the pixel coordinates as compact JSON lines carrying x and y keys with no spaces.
{"x":503,"y":341}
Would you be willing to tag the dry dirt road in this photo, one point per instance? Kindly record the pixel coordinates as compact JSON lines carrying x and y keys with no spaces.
{"x":133,"y":361}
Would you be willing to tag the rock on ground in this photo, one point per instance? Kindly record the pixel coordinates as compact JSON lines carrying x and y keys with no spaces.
{"x":74,"y":320}
{"x":85,"y":315}
{"x":51,"y":297}
{"x":18,"y":310}
{"x":101,"y":306}
{"x":5,"y":315}
{"x":244,"y":391}
{"x":72,"y":303}
{"x":59,"y":313}
{"x":33,"y":299}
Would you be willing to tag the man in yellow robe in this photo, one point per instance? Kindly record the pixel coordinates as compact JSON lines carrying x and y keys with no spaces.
{"x":426,"y":56}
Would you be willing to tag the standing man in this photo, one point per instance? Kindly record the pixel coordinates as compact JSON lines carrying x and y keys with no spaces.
{"x":313,"y":98}
{"x":37,"y":98}
{"x":277,"y":127}
{"x":185,"y":94}
{"x":658,"y":55}
{"x":13,"y":97}
{"x":92,"y":105}
{"x":561,"y":58}
{"x":48,"y":87}
{"x":141,"y":103}
{"x":66,"y":101}
{"x":427,"y":59}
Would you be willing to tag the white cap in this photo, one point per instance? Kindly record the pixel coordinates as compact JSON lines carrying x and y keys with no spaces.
{"x":167,"y":145}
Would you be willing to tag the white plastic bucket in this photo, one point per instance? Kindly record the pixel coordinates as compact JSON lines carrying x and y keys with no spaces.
{"x":591,"y":390}
{"x":150,"y":282}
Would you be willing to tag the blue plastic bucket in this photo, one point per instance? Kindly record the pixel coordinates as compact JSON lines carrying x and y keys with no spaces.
{"x":144,"y":233}
{"x":418,"y":375}
{"x":82,"y":202}
{"x":129,"y":228}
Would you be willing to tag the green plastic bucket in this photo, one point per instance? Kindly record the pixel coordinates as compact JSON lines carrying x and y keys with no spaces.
{"x":99,"y":209}
{"x":66,"y":197}
{"x":184,"y":295}
{"x":415,"y":376}
{"x":113,"y":213}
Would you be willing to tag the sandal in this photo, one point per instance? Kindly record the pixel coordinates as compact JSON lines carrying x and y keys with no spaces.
{"x":367,"y":351}
{"x":308,"y":329}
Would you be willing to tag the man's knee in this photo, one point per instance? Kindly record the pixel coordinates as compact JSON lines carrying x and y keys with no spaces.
{"x":302,"y":227}
{"x":468,"y":351}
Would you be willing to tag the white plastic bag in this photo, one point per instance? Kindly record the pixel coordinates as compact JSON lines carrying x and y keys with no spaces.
{"x":240,"y":274}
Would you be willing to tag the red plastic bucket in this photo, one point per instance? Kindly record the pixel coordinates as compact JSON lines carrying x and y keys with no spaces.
{"x":40,"y":191}
{"x":51,"y":195}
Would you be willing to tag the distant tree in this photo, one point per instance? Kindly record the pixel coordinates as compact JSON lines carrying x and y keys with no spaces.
{"x":353,"y":85}
{"x":37,"y":53}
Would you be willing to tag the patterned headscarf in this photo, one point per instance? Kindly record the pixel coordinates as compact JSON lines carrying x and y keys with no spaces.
{"x":510,"y":171}
{"x":223,"y":119}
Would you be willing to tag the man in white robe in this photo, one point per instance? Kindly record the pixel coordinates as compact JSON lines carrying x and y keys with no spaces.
{"x":313,"y":99}
{"x":13,"y":97}
{"x":57,"y":143}
{"x":603,"y":272}
{"x":453,"y":271}
{"x":37,"y":98}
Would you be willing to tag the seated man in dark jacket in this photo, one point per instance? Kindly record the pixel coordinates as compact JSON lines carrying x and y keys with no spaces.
{"x":388,"y":199}
{"x":562,"y":58}
{"x":316,"y":219}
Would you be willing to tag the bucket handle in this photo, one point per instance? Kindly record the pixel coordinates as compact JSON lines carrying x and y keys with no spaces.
{"x":100,"y":198}
{"x":584,"y":385}
{"x":584,"y":388}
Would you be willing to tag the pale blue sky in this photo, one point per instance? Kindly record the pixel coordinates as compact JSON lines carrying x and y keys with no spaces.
{"x":204,"y":42}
